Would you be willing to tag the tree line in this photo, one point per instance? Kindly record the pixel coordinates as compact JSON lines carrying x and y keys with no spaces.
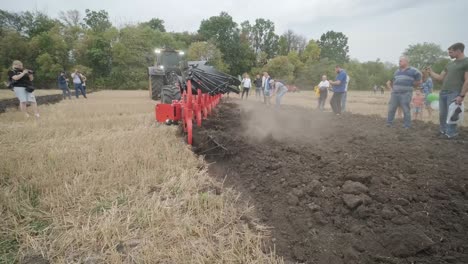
{"x":117,"y":58}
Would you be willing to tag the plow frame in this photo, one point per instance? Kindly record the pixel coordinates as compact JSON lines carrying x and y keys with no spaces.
{"x":190,"y":109}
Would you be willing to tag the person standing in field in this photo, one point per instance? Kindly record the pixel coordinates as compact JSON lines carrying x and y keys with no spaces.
{"x":404,"y":79}
{"x":83,"y":79}
{"x":417,"y":104}
{"x":427,"y":86}
{"x":267,"y":88}
{"x":78,"y":83}
{"x":375,"y":88}
{"x":258,"y":87}
{"x":21,"y":79}
{"x":454,"y":87}
{"x":345,"y":95}
{"x":279,"y":90}
{"x":323,"y":87}
{"x":63,"y":85}
{"x":246,"y":84}
{"x":339,"y":86}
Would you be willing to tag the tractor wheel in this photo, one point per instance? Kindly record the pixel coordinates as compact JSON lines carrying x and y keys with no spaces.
{"x":157,"y":82}
{"x":169,"y":93}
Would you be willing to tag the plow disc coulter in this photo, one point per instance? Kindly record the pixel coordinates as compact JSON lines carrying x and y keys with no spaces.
{"x":201,"y":91}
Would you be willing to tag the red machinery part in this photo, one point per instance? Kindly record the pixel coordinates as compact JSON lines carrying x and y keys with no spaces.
{"x":186,"y":109}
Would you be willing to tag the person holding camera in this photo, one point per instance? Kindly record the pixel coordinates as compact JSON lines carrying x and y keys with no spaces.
{"x":21,"y":80}
{"x":78,"y":83}
{"x":63,"y":85}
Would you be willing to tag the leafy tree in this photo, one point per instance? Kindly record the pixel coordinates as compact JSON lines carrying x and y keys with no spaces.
{"x":223,"y":31}
{"x":280,"y":68}
{"x":206,"y":51}
{"x":156,"y":24}
{"x":70,"y":18}
{"x":14,"y":47}
{"x":185,"y":38}
{"x":295,"y":60}
{"x":49,"y":49}
{"x":10,"y":21}
{"x":47,"y":68}
{"x":425,"y":54}
{"x":35,"y":23}
{"x":264,"y":37}
{"x":334,"y":46}
{"x":97,"y":21}
{"x":292,"y":42}
{"x":312,"y":73}
{"x":311,"y":52}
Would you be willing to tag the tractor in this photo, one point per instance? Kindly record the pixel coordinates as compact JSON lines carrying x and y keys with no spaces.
{"x":166,"y":75}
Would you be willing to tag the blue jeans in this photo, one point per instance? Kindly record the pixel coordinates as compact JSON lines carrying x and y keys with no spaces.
{"x":445,"y":99}
{"x":343,"y":101}
{"x":403,"y":100}
{"x":78,"y":89}
{"x":66,"y":92}
{"x":279,"y":96}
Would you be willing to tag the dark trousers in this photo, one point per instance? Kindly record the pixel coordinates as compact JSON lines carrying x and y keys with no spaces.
{"x":258,"y":92}
{"x":335,"y":102}
{"x":246,"y":92}
{"x":322,"y":99}
{"x":66,"y":92}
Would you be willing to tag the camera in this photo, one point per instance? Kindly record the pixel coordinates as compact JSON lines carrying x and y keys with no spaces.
{"x":21,"y":70}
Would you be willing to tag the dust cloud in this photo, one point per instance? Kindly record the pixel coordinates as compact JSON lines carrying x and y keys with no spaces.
{"x":288,"y":123}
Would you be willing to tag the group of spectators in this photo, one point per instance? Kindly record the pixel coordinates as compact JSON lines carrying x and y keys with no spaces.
{"x":79,"y":82}
{"x":339,"y":87}
{"x":454,"y":80}
{"x":20,"y":81}
{"x":265,"y":88}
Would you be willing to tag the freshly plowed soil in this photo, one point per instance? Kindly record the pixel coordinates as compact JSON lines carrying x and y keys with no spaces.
{"x":343,"y":189}
{"x":44,"y":99}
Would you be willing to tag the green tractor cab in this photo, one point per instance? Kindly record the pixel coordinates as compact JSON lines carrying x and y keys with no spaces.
{"x":165,"y":76}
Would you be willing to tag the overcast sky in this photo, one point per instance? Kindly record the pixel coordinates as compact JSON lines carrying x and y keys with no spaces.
{"x":375,"y":28}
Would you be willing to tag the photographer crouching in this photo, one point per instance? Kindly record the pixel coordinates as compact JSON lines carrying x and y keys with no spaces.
{"x":21,"y":80}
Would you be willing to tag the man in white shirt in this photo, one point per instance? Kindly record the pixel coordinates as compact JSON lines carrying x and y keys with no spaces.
{"x":246,"y":84}
{"x":324,"y":85}
{"x":78,"y":83}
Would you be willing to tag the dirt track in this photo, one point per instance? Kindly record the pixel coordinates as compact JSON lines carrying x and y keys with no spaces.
{"x":344,"y":189}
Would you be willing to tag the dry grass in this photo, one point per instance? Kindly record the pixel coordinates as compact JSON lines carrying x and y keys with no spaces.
{"x":8,"y":94}
{"x":360,"y":102}
{"x":97,"y":181}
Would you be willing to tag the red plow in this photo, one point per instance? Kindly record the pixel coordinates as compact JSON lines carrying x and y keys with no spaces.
{"x":201,"y":93}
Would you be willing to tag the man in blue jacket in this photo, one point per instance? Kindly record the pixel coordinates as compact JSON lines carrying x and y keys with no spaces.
{"x":63,"y":85}
{"x":339,"y":88}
